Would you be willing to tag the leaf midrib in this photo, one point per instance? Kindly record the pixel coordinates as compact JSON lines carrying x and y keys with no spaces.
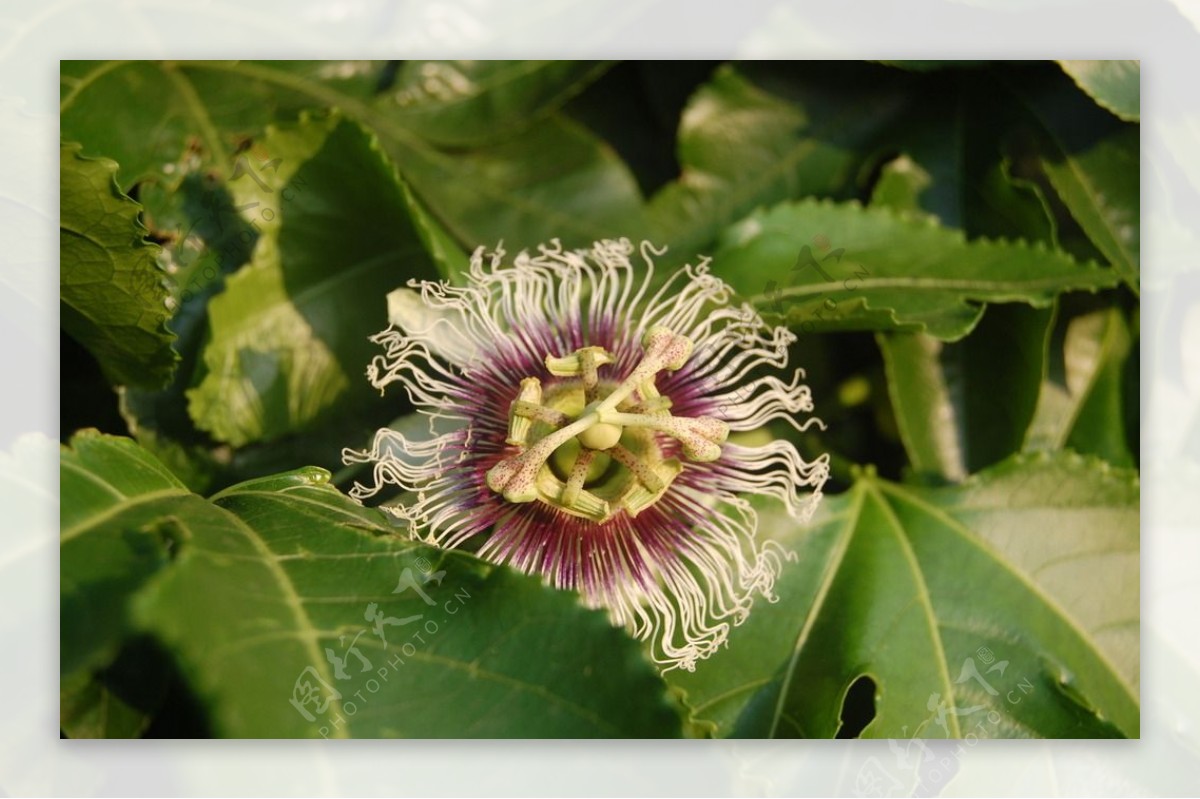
{"x":306,"y":632}
{"x":86,"y":81}
{"x":292,"y":600}
{"x":985,"y":548}
{"x":818,"y":605}
{"x":115,"y":510}
{"x":973,"y":289}
{"x":877,"y":488}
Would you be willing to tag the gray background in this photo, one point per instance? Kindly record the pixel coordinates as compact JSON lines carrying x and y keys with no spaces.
{"x":1164,"y":34}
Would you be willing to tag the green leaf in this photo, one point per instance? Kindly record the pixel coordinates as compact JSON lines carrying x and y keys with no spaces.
{"x":556,"y":180}
{"x":114,"y":297}
{"x":1108,"y":421}
{"x":119,"y":701}
{"x":853,"y":268}
{"x":336,"y":231}
{"x":952,"y":165}
{"x":451,"y":262}
{"x":965,"y":405}
{"x":122,"y":514}
{"x":1085,"y":398}
{"x":1092,"y":161}
{"x":205,"y":240}
{"x":747,"y":142}
{"x":270,"y":574}
{"x":468,"y":103}
{"x":198,"y":118}
{"x":97,"y":109}
{"x":901,"y":183}
{"x":1032,"y":564}
{"x":1115,"y":85}
{"x":296,"y":577}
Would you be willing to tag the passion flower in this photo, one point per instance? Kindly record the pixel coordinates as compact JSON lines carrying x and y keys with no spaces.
{"x":584,"y":426}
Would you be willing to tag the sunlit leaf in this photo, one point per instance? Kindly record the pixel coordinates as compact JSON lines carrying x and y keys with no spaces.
{"x":1113,"y":84}
{"x":289,"y":335}
{"x":274,"y":585}
{"x":823,"y":266}
{"x":114,"y":296}
{"x":1006,"y":607}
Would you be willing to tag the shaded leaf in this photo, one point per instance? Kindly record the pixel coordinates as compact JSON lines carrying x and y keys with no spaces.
{"x":117,"y":702}
{"x":746,"y":142}
{"x":89,"y":709}
{"x":1108,"y":421}
{"x":554,"y":181}
{"x":1026,"y":575}
{"x":121,"y":517}
{"x":1092,"y":161}
{"x":965,"y":405}
{"x":951,"y":156}
{"x":289,"y":335}
{"x":114,"y":296}
{"x":466,"y":103}
{"x":1085,"y":398}
{"x":212,"y":241}
{"x":1113,"y":84}
{"x":204,"y":240}
{"x":851,"y":268}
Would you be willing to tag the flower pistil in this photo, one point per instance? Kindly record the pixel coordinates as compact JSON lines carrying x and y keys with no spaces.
{"x":587,"y":447}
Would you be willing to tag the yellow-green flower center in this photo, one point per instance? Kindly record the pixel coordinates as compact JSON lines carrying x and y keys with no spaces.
{"x":589,"y":446}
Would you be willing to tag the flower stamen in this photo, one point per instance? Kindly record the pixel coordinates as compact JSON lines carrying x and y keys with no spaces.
{"x":701,"y":436}
{"x":586,"y":363}
{"x":634,"y":405}
{"x":664,"y":350}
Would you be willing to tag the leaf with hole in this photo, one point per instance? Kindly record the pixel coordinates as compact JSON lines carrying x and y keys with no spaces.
{"x":1004,"y":607}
